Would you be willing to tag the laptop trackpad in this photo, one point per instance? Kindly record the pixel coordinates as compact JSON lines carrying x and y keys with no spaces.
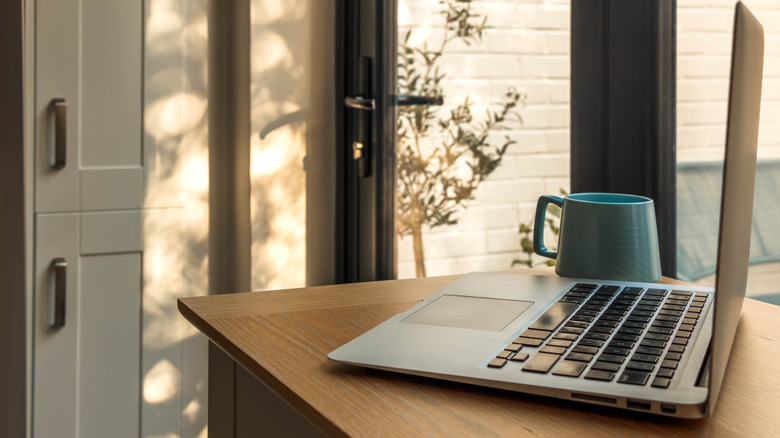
{"x":477,"y":313}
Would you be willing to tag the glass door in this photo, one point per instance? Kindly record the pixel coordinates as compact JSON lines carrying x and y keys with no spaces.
{"x":469,"y":172}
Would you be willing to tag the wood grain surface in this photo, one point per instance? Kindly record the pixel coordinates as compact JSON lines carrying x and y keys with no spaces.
{"x":283,"y":338}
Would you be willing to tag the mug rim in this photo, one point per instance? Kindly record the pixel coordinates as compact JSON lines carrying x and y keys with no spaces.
{"x":616,"y":198}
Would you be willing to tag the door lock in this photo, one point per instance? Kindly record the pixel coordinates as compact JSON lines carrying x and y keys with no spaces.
{"x":357,"y":150}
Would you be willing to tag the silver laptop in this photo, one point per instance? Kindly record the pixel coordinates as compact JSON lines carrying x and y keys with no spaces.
{"x":642,"y":346}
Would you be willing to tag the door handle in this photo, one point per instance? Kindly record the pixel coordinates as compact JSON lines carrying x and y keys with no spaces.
{"x":60,"y":266}
{"x":405,"y":100}
{"x":369,"y":104}
{"x":60,"y":132}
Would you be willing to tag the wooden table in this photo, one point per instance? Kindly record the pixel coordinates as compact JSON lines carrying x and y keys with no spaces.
{"x":283,"y":337}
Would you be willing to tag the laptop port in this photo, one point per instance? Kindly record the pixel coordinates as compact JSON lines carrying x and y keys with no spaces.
{"x":668,"y":409}
{"x":638,"y":404}
{"x":593,"y":398}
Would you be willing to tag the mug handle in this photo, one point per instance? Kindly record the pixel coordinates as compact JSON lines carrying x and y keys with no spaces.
{"x":541,"y":209}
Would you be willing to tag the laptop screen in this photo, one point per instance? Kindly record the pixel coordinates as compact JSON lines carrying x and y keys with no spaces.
{"x":739,"y":171}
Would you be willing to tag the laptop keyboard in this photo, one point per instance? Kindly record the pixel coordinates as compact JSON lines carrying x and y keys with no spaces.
{"x":609,"y":333}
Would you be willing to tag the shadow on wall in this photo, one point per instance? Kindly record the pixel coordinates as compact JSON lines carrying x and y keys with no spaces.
{"x":280,"y":88}
{"x":175,"y":264}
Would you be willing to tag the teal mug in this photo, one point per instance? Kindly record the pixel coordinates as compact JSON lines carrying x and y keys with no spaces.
{"x":606,"y":236}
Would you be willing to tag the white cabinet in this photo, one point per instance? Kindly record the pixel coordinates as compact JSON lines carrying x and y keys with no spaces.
{"x":88,"y":214}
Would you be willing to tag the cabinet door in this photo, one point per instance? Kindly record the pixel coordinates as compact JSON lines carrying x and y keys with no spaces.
{"x":55,"y":360}
{"x":87,"y":373}
{"x":89,"y":105}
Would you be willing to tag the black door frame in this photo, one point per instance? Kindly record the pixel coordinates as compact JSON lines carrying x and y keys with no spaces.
{"x":365,"y":193}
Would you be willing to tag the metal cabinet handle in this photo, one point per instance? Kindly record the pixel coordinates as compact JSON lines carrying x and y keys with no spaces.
{"x":60,"y":266}
{"x":60,"y":132}
{"x":368,"y":104}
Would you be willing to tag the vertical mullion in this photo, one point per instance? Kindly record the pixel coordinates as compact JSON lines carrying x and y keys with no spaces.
{"x":623,"y":105}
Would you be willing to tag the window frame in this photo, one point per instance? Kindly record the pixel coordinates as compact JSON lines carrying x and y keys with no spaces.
{"x":623,"y":105}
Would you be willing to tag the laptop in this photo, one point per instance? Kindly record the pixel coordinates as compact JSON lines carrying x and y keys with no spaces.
{"x":646,"y":347}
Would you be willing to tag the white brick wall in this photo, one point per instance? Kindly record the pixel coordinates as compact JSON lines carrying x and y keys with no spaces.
{"x":527,"y":46}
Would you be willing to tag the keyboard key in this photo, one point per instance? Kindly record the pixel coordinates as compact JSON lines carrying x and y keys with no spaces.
{"x":665,"y":372}
{"x":497,"y":363}
{"x":513,"y":347}
{"x":683,"y":334}
{"x":653,"y":343}
{"x":611,"y":358}
{"x":503,"y":355}
{"x":607,"y":323}
{"x":554,"y":316}
{"x":680,"y":340}
{"x":670,"y":312}
{"x":535,"y":334}
{"x":661,"y":382}
{"x":528,"y":341}
{"x":692,"y":315}
{"x":616,"y":343}
{"x":633,"y":290}
{"x":667,"y":318}
{"x":642,"y":313}
{"x":690,"y":321}
{"x":612,"y":290}
{"x":576,"y":324}
{"x":676,"y":348}
{"x":658,"y":292}
{"x":673,"y":307}
{"x":673,"y":356}
{"x":648,"y":308}
{"x":585,"y":349}
{"x":650,"y":358}
{"x":599,"y":336}
{"x":575,"y":330}
{"x":519,"y":357}
{"x":669,"y":364}
{"x":599,"y":329}
{"x":618,"y":351}
{"x":559,"y":343}
{"x":662,"y":330}
{"x":667,"y":324}
{"x":642,"y":319}
{"x":570,"y":368}
{"x":552,"y":350}
{"x":630,"y":330}
{"x":591,"y":307}
{"x":650,"y":350}
{"x":541,"y":362}
{"x":604,"y":375}
{"x":566,"y":336}
{"x":657,"y":337}
{"x":686,"y":327}
{"x":626,"y":337}
{"x":684,"y":293}
{"x":582,"y":318}
{"x":634,"y":324}
{"x":587,"y":313}
{"x":615,"y":312}
{"x":634,"y":377}
{"x":580,"y":357}
{"x":605,"y":366}
{"x":590,"y":343}
{"x":641,"y":366}
{"x":677,"y":302}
